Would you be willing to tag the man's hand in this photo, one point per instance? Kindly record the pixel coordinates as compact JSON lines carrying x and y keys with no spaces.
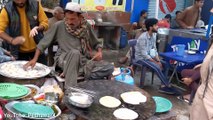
{"x":18,"y":40}
{"x":187,"y":81}
{"x":31,"y":64}
{"x":190,"y":27}
{"x":13,"y":58}
{"x":97,"y":56}
{"x":34,"y":31}
{"x":160,"y":65}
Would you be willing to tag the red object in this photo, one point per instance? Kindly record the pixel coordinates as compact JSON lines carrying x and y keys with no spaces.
{"x":163,"y":24}
{"x":167,"y":5}
{"x":39,"y":97}
{"x":100,"y":8}
{"x":1,"y":114}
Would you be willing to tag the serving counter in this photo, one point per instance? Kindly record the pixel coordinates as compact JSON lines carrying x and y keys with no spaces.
{"x":188,"y":33}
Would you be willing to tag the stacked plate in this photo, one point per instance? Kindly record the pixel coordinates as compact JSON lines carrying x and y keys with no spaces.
{"x":33,"y":111}
{"x":13,"y":91}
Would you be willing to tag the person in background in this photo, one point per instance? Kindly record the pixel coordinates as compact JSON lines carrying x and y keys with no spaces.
{"x":5,"y":55}
{"x":202,"y":104}
{"x":58,"y":14}
{"x":76,"y":40}
{"x":165,"y":23}
{"x":146,"y":50}
{"x":174,"y":23}
{"x":189,"y":17}
{"x":25,"y":21}
{"x":141,"y":23}
{"x":135,"y":31}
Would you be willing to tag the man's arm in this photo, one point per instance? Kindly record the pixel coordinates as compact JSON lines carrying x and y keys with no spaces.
{"x":42,"y":45}
{"x":95,"y":43}
{"x":4,"y":22}
{"x":180,"y":18}
{"x":32,"y":62}
{"x":43,"y":22}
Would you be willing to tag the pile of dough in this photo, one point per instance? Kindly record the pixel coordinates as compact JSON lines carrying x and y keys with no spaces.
{"x":109,"y":101}
{"x":125,"y":114}
{"x":133,"y":97}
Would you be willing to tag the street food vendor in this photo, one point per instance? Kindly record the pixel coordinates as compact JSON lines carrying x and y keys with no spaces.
{"x":76,"y":39}
{"x":189,"y":17}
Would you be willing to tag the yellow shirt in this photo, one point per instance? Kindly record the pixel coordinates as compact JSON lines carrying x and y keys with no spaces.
{"x":29,"y":45}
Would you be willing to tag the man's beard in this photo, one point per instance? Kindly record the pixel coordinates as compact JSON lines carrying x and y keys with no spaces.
{"x":73,"y":27}
{"x":154,"y":31}
{"x":21,"y":5}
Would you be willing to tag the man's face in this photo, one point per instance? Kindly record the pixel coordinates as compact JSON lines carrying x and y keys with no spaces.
{"x":145,"y":15}
{"x":72,"y":19}
{"x":20,"y":3}
{"x":200,"y":3}
{"x":60,"y":14}
{"x":155,"y":28}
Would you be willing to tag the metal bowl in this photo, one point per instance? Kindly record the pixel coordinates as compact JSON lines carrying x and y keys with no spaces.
{"x":81,"y":100}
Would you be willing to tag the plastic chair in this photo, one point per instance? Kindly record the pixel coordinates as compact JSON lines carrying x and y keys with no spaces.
{"x":133,"y":62}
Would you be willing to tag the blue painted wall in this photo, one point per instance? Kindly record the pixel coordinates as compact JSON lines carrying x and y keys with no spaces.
{"x":205,"y":15}
{"x":138,"y":6}
{"x":128,"y":5}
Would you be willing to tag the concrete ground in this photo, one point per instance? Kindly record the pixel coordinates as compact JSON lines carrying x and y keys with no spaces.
{"x":180,"y":109}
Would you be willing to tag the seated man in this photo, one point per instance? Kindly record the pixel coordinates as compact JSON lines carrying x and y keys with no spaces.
{"x":76,"y":39}
{"x":146,"y":52}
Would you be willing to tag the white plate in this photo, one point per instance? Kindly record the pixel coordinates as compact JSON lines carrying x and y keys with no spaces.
{"x":133,"y":97}
{"x":14,"y":69}
{"x":109,"y":101}
{"x":32,"y":92}
{"x":125,"y":114}
{"x":191,"y":52}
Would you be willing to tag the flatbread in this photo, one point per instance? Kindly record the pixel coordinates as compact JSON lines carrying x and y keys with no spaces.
{"x":109,"y":101}
{"x":125,"y":114}
{"x":133,"y":97}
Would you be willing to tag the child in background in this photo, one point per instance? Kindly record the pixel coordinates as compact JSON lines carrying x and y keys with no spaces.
{"x":5,"y":55}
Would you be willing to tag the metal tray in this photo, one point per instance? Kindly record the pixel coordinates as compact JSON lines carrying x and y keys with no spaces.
{"x":14,"y":69}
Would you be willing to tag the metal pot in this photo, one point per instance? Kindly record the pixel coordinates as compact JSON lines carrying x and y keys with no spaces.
{"x":162,"y":39}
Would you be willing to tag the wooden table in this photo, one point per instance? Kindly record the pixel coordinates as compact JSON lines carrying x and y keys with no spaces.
{"x":110,"y":88}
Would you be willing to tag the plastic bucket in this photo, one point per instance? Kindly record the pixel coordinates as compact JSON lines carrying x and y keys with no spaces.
{"x":125,"y":76}
{"x":180,"y":49}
